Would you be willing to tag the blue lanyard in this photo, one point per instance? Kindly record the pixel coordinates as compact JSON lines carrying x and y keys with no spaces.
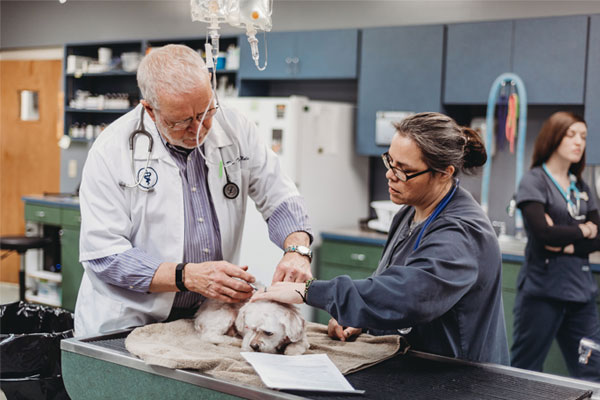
{"x":572,"y":187}
{"x":436,"y":212}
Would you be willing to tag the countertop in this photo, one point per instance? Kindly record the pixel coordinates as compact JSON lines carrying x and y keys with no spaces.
{"x":53,"y":200}
{"x":513,"y":249}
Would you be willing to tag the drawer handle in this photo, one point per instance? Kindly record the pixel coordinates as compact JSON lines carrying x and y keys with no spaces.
{"x":357,"y":257}
{"x":40,"y":214}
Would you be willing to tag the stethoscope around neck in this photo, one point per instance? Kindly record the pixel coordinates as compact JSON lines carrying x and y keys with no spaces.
{"x":438,"y":209}
{"x":140,"y":130}
{"x":230,"y":190}
{"x":572,"y":208}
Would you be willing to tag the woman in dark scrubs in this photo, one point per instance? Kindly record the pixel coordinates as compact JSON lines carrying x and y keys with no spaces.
{"x":438,"y":281}
{"x":556,"y":289}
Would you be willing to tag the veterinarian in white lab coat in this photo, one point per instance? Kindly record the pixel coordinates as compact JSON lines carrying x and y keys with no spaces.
{"x":161,"y":232}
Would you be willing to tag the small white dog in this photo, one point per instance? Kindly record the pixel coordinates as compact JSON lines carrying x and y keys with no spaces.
{"x":264,"y":326}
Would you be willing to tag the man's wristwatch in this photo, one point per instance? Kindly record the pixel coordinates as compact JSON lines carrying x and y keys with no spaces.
{"x":303,"y":250}
{"x":179,"y":270}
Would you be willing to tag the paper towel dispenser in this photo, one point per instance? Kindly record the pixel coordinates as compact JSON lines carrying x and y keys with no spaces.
{"x":384,"y":128}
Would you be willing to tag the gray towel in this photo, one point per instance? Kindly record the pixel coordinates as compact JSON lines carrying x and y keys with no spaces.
{"x":177,"y":345}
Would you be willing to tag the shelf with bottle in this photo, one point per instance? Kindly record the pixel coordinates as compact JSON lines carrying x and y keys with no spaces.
{"x":102,"y":59}
{"x":228,"y":61}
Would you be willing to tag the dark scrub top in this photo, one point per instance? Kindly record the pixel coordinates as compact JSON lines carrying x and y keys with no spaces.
{"x":550,"y":274}
{"x":448,"y":289}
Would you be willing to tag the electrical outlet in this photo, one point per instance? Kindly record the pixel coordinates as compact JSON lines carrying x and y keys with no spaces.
{"x":72,"y":170}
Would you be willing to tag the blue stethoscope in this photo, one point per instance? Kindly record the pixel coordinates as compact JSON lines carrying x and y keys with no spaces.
{"x":572,"y":208}
{"x":230,"y":190}
{"x":428,"y":221}
{"x":436,"y":212}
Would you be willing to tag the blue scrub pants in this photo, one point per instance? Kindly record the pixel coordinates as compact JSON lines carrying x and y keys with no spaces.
{"x":538,"y":320}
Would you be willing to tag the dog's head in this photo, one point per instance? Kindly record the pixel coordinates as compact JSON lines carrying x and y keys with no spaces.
{"x":268,"y":326}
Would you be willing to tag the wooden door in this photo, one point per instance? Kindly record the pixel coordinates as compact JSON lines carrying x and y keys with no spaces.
{"x":29,"y":154}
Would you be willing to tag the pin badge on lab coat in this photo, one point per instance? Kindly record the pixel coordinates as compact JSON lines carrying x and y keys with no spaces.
{"x":147,"y":177}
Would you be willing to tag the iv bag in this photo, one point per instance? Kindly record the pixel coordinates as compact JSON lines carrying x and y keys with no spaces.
{"x":209,"y":10}
{"x":254,"y":15}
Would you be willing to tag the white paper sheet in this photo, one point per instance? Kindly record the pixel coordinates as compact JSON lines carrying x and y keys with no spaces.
{"x":313,"y":372}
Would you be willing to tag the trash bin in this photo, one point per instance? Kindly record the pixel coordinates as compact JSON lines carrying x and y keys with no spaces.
{"x":30,"y":336}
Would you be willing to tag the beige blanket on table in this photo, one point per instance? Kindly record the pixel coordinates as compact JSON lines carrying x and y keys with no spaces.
{"x":177,"y":345}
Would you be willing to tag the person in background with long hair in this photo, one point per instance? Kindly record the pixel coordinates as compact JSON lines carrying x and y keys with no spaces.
{"x":555,"y":289}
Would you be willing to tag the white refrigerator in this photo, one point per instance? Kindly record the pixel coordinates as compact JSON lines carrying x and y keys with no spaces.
{"x":315,"y":143}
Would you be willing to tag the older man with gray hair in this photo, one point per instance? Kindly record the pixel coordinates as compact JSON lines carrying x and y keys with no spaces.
{"x":163,"y":197}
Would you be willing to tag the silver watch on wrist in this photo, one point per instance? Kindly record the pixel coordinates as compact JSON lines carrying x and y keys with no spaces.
{"x":303,"y":250}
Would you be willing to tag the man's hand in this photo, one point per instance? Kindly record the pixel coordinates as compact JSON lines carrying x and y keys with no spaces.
{"x":343,"y":333}
{"x":293,"y":267}
{"x":219,"y":280}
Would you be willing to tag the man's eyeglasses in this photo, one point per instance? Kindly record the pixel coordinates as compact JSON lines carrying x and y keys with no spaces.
{"x":398,"y":173}
{"x":182,"y":125}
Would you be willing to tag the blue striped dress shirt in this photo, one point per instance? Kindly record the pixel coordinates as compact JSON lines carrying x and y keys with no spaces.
{"x":135,"y":268}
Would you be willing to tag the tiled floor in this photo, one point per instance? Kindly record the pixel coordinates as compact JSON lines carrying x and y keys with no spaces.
{"x":9,"y":292}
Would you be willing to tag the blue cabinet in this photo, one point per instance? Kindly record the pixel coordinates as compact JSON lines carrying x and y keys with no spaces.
{"x":476,"y":54}
{"x":547,"y":53}
{"x":592,"y":92}
{"x":401,"y":70}
{"x":330,"y":54}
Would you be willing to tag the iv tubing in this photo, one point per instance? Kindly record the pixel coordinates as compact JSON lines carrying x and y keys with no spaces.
{"x":491,"y":107}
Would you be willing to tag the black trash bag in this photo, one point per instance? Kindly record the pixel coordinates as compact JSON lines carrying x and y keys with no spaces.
{"x":30,"y":336}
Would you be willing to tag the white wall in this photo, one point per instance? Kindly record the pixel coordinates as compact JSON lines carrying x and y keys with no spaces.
{"x":26,"y":23}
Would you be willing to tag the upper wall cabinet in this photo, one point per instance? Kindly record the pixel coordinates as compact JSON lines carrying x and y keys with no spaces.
{"x":303,"y":55}
{"x":592,"y":93}
{"x":547,"y":53}
{"x":401,"y":70}
{"x":476,"y":54}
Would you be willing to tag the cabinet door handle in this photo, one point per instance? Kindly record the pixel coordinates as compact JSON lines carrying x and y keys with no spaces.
{"x":357,"y":257}
{"x":288,"y":60}
{"x":40,"y":214}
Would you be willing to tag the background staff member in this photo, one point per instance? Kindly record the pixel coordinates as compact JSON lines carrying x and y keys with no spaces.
{"x":440,"y":269}
{"x":134,"y":235}
{"x":556,"y":290}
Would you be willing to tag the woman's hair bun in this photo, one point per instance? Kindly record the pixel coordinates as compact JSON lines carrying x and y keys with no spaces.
{"x":474,"y":154}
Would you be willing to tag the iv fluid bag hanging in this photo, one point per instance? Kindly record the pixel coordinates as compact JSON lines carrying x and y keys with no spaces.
{"x":209,"y":10}
{"x":254,"y":15}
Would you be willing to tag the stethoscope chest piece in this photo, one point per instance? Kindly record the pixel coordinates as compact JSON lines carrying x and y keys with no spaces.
{"x":231,"y":190}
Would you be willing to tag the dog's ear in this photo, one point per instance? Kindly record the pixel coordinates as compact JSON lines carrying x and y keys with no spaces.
{"x":240,"y":320}
{"x":294,"y":326}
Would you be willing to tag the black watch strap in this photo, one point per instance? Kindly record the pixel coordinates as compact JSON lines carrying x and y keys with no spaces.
{"x":179,"y":277}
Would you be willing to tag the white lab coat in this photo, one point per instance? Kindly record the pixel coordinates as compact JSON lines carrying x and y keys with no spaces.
{"x":116,"y":219}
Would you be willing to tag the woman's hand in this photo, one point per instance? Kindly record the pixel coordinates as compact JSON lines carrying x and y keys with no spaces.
{"x":283,"y":292}
{"x":589,"y":230}
{"x":340,"y":332}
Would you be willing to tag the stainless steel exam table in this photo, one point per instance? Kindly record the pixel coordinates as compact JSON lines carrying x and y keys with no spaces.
{"x":101,"y":368}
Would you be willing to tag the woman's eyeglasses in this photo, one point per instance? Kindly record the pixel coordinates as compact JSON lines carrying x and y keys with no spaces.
{"x":398,"y":173}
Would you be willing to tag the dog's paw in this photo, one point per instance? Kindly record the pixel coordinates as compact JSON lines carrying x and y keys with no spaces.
{"x":295,"y":349}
